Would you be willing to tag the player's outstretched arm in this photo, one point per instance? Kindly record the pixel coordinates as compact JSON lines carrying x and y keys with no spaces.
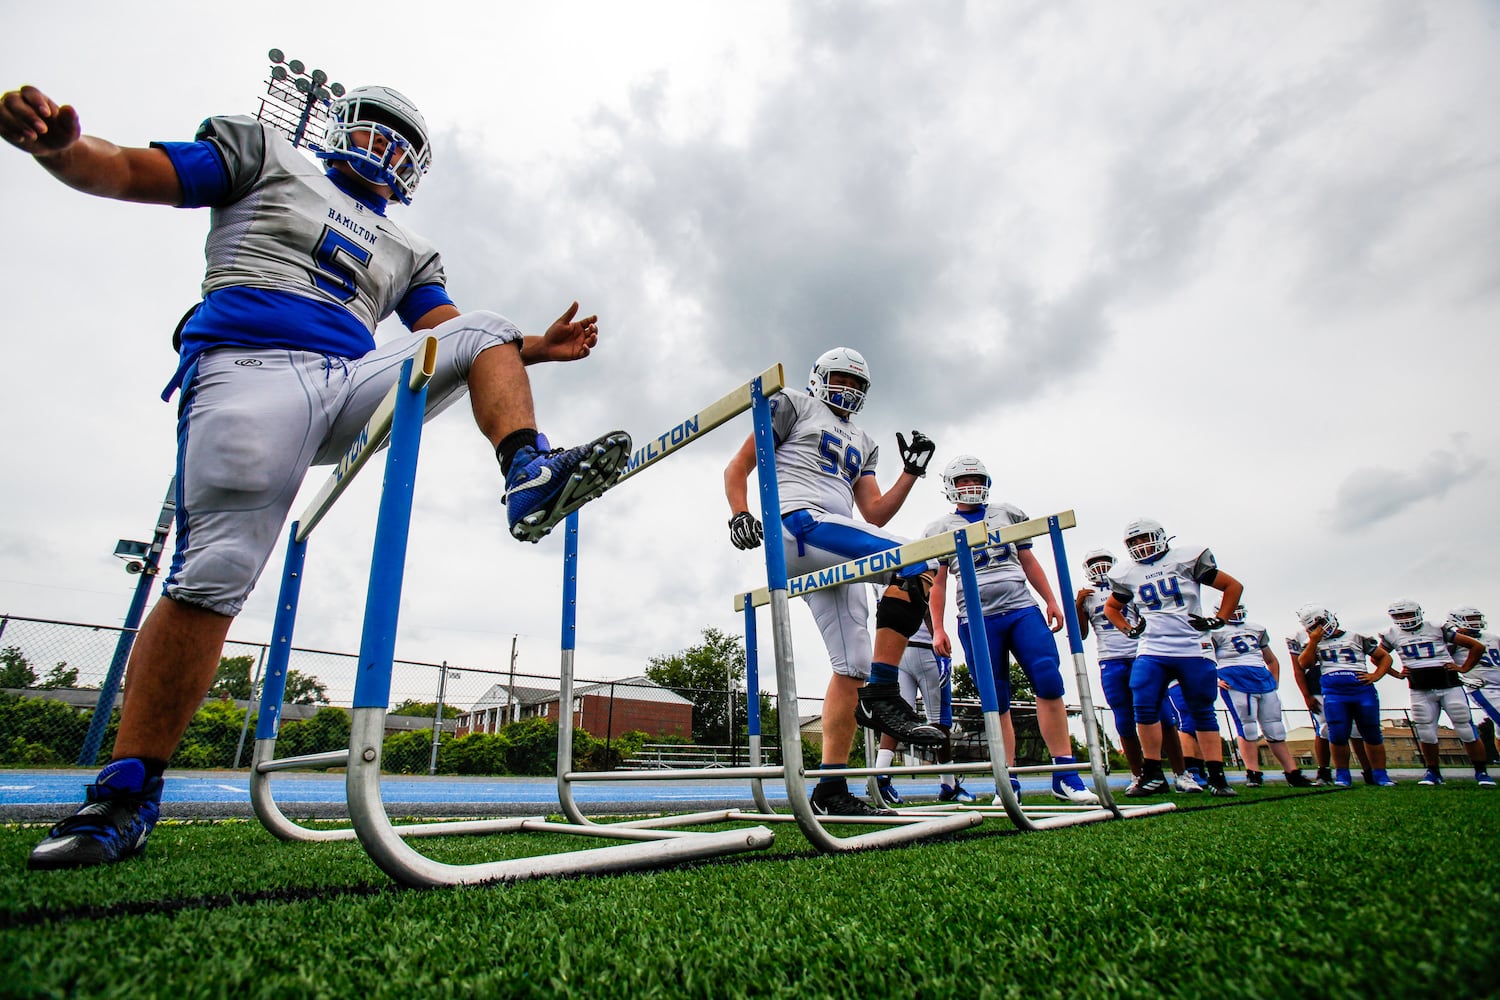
{"x":35,"y":124}
{"x":567,"y":339}
{"x":877,"y":507}
{"x":1232,"y":590}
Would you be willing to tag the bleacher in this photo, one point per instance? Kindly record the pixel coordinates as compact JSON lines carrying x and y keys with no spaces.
{"x":666,"y":756}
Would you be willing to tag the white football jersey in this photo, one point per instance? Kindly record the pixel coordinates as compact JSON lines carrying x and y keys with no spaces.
{"x":819,"y":455}
{"x":1002,"y":581}
{"x":1342,"y":656}
{"x":1487,"y":671}
{"x":1424,"y":648}
{"x":1166,"y":591}
{"x":1113,"y":644}
{"x":1241,"y":645}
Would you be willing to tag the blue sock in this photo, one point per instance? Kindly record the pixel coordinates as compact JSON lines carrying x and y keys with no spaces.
{"x":884,"y":673}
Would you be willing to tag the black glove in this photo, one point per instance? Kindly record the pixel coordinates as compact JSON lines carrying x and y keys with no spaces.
{"x":916,"y":455}
{"x":744,"y":530}
{"x":1137,"y":630}
{"x":1205,"y":624}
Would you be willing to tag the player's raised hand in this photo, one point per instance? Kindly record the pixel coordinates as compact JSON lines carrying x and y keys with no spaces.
{"x":570,"y":339}
{"x":916,"y":454}
{"x":34,"y":123}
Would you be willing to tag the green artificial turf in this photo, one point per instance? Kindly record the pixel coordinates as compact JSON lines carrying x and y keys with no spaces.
{"x":1368,"y":892}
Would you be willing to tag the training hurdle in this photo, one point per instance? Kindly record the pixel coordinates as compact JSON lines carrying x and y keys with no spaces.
{"x":899,"y":829}
{"x":398,"y":420}
{"x":962,"y":542}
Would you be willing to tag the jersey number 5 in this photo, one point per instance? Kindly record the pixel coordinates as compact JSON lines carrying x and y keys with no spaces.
{"x":838,"y":460}
{"x":335,"y":253}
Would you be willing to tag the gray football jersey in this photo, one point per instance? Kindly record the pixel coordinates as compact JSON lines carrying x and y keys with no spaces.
{"x":1166,"y":592}
{"x":1342,"y":656}
{"x":1002,"y":581}
{"x":819,"y":455}
{"x":288,"y":228}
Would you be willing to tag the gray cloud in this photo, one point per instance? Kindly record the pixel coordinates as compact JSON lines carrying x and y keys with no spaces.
{"x":1370,"y":495}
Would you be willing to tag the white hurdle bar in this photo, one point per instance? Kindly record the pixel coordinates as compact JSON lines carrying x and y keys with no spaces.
{"x":897,"y":829}
{"x":398,"y":420}
{"x":961,"y":543}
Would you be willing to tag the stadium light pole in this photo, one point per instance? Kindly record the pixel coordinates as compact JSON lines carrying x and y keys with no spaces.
{"x":294,"y":96}
{"x":141,"y":559}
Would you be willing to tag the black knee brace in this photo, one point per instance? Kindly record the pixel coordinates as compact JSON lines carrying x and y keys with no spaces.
{"x":903,"y":616}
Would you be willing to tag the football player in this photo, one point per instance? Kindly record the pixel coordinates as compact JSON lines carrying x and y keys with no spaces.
{"x":924,"y":672}
{"x":1483,"y":681}
{"x":279,"y":370}
{"x":825,"y":470}
{"x":1350,"y":700}
{"x":1167,"y":582}
{"x":1310,"y":683}
{"x":1013,"y":623}
{"x":1433,"y":677}
{"x":1116,"y":655}
{"x":1249,"y":675}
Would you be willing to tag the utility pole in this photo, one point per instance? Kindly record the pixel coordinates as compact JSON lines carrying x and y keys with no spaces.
{"x":141,"y":559}
{"x":437,"y":716}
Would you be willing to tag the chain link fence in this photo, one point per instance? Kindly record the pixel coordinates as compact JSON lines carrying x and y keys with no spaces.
{"x":444,"y":717}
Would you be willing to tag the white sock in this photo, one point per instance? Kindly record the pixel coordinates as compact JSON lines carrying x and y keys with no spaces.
{"x":885,"y":758}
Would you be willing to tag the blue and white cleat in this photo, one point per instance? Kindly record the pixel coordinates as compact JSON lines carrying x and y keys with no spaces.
{"x":1431,"y":777}
{"x":1342,"y":779}
{"x":1484,"y":779}
{"x":955,"y":793}
{"x":119,"y":811}
{"x":546,"y":484}
{"x":1069,"y":787}
{"x":888,"y":793}
{"x":1383,"y":780}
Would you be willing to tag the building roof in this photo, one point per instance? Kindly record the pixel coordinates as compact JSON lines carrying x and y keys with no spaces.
{"x":626,"y":689}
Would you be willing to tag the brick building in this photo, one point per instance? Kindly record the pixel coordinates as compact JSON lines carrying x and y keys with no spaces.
{"x":606,"y":710}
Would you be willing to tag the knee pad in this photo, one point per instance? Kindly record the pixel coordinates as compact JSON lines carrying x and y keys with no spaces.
{"x":903,"y":616}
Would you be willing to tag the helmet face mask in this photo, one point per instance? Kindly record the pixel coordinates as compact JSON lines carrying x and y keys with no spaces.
{"x":383,"y":138}
{"x":1096,"y":566}
{"x":1313,"y":615}
{"x":1145,"y":539}
{"x":1238,"y":615}
{"x":975,"y":490}
{"x":1407,"y":614}
{"x":848,"y":399}
{"x":1468,"y":618}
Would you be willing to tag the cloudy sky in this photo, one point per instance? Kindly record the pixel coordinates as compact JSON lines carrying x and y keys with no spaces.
{"x":1233,"y":266}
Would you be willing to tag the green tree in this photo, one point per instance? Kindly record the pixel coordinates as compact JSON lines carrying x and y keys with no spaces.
{"x":303,"y":689}
{"x":425,"y":709}
{"x":701,"y":674}
{"x":15,"y":672}
{"x":233,"y":678}
{"x":61,"y":676}
{"x":1030,"y":749}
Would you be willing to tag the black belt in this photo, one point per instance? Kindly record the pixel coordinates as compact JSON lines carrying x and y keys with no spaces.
{"x":919,"y":645}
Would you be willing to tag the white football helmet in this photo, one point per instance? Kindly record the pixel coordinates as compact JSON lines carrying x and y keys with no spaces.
{"x":1407,"y":614}
{"x":372,"y":111}
{"x":846,"y":398}
{"x":1238,"y":615}
{"x":1466,"y":617}
{"x":1145,"y":539}
{"x":962,"y":467}
{"x":1096,"y":566}
{"x":1313,"y":615}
